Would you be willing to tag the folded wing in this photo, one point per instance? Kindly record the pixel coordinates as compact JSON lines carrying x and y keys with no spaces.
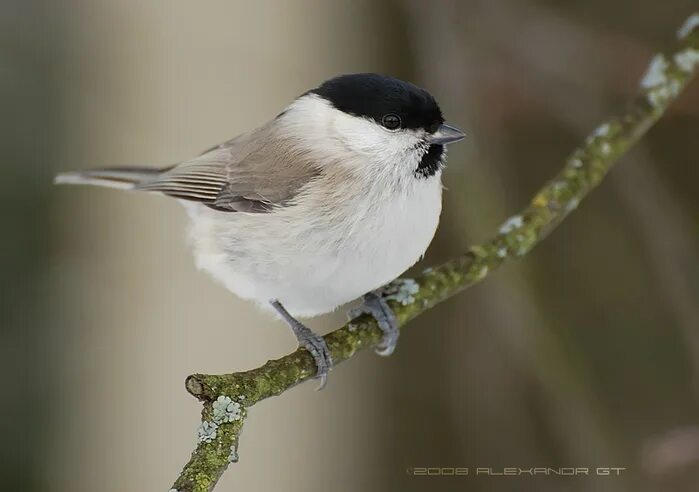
{"x":250,"y":173}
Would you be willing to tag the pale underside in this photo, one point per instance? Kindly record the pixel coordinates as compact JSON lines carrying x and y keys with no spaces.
{"x":314,"y":256}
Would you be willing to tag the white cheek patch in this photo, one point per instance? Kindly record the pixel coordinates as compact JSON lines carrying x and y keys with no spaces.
{"x":335,"y":136}
{"x":360,"y":134}
{"x":368,"y":137}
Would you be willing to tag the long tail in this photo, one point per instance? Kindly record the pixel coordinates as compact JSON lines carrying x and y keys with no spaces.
{"x":113,"y":177}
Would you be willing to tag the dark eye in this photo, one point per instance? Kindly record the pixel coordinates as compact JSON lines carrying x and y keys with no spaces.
{"x":391,"y":121}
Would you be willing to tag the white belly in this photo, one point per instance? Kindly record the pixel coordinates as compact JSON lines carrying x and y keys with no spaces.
{"x":312,"y":262}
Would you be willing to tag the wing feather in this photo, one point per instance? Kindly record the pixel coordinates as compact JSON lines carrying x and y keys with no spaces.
{"x":251,"y":173}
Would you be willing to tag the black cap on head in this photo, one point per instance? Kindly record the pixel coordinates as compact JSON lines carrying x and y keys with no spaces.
{"x":376,"y":96}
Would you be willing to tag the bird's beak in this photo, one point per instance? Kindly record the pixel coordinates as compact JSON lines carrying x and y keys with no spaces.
{"x":445,"y":134}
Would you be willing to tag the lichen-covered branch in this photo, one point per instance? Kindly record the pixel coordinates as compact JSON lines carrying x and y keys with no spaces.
{"x":227,"y":397}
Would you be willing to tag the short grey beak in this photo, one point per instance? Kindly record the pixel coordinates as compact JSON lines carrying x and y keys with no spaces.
{"x":445,"y":134}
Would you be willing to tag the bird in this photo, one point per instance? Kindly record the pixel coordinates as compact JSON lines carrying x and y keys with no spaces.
{"x":327,"y":202}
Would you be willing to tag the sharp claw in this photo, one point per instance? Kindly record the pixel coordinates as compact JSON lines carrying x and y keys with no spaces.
{"x":388,"y":345}
{"x":385,"y":351}
{"x":320,"y":352}
{"x":323,"y":381}
{"x":376,"y":306}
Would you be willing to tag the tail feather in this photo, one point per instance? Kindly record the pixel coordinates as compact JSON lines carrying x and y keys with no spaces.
{"x":114,"y":177}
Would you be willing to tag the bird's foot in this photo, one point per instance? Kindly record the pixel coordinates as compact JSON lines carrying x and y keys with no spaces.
{"x":311,"y":341}
{"x":377,"y":306}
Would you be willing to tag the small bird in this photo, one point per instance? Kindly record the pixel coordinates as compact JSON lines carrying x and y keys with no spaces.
{"x":332,"y":199}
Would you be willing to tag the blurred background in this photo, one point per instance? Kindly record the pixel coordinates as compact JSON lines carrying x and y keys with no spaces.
{"x":583,"y":354}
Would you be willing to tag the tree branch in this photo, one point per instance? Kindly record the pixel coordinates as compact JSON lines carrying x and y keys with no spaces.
{"x":227,"y":397}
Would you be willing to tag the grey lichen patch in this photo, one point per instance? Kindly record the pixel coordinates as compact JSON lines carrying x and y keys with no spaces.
{"x":661,"y":82}
{"x":659,"y":96}
{"x":599,"y":142}
{"x":481,"y":273}
{"x":656,"y":74}
{"x":687,"y":59}
{"x":688,"y":26}
{"x":224,"y":409}
{"x":207,"y":431}
{"x":575,"y":163}
{"x":572,"y":204}
{"x":501,"y":252}
{"x":514,"y":222}
{"x":602,"y":130}
{"x":401,"y":290}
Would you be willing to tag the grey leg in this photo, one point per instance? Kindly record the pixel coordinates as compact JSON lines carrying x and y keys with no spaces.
{"x":377,"y":306}
{"x":309,"y":340}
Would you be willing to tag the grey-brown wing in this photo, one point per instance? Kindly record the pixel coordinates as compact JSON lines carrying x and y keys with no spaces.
{"x":251,"y":173}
